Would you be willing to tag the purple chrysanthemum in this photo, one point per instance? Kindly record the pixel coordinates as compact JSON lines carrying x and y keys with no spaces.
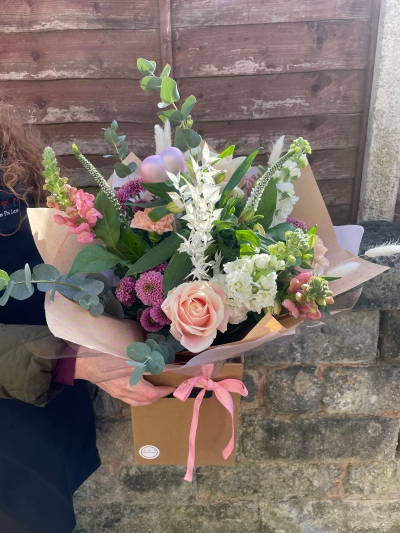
{"x":130,"y":189}
{"x":158,"y":315}
{"x":149,"y":287}
{"x":148,"y":323}
{"x":297,"y":223}
{"x":125,"y":291}
{"x":162,"y":267}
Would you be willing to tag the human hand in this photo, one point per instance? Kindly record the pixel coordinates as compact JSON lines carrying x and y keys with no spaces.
{"x":141,"y":394}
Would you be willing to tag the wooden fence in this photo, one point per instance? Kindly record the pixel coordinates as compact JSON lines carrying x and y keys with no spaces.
{"x":259,"y":69}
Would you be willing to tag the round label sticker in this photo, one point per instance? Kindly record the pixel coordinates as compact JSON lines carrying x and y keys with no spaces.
{"x":149,"y":452}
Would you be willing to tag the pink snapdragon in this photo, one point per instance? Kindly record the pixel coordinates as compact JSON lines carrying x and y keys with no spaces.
{"x":320,"y":262}
{"x":298,"y":281}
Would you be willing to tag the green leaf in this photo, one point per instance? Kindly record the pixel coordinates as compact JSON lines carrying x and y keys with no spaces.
{"x":228,"y":253}
{"x":188,"y":106}
{"x":20,"y":291}
{"x":154,"y":203}
{"x":121,"y":138}
{"x":267,"y":205}
{"x":248,"y":237}
{"x":123,"y":150}
{"x":7,"y":293}
{"x":96,"y":309}
{"x":327,"y":278}
{"x":166,"y":71}
{"x":68,"y":286}
{"x":312,"y":231}
{"x":160,"y":189}
{"x":175,"y":117}
{"x":114,"y":125}
{"x":112,"y":306}
{"x":237,"y":176}
{"x":138,"y":351}
{"x":94,"y":258}
{"x":111,"y":156}
{"x":103,"y":279}
{"x":122,"y":170}
{"x":107,"y":228}
{"x":151,"y":83}
{"x":156,"y":363}
{"x":89,"y":288}
{"x":158,"y":213}
{"x":136,"y":376}
{"x":146,"y":67}
{"x":132,"y":166}
{"x":169,"y":91}
{"x":177,"y":270}
{"x":131,"y":245}
{"x":158,"y":254}
{"x":111,"y":136}
{"x":228,"y":151}
{"x":28,"y":278}
{"x":186,"y":139}
{"x":4,"y":279}
{"x":277,"y":233}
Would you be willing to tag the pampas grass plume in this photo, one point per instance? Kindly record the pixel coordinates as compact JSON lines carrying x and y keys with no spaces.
{"x":276,"y":151}
{"x":384,"y":250}
{"x":342,"y":270}
{"x":162,"y":136}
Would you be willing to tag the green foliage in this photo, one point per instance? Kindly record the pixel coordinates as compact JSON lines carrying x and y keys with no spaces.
{"x":267,"y":205}
{"x":237,"y":177}
{"x":131,"y":245}
{"x":177,"y":270}
{"x":186,"y":139}
{"x":53,"y":183}
{"x":107,"y":228}
{"x":152,"y":355}
{"x":158,"y":254}
{"x":94,"y":258}
{"x":113,"y":139}
{"x":160,"y":189}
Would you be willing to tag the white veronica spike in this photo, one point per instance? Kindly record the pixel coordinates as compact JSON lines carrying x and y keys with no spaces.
{"x":276,"y":151}
{"x":384,"y":250}
{"x":342,"y":270}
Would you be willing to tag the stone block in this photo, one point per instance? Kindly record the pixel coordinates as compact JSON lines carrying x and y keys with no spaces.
{"x":115,"y":440}
{"x":250,"y":379}
{"x":256,"y":481}
{"x":373,"y":481}
{"x":345,"y":338}
{"x":151,"y":483}
{"x":319,"y":438}
{"x":294,"y":389}
{"x":105,"y":406}
{"x":373,"y":389}
{"x":332,"y":516}
{"x":389,"y":345}
{"x":381,"y":292}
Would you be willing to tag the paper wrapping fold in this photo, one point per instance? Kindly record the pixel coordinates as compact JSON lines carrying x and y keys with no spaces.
{"x":105,"y":335}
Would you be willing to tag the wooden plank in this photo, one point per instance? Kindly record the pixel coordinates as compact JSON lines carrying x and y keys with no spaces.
{"x":41,"y":15}
{"x":77,"y":54}
{"x":166,"y":34}
{"x":366,"y":107}
{"x":281,"y":95}
{"x":324,"y":133}
{"x":191,"y":13}
{"x":230,"y":98}
{"x":336,"y":192}
{"x":340,"y":214}
{"x":328,"y":164}
{"x":271,"y":49}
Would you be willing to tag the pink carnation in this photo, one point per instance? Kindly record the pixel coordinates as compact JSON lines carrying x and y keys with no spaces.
{"x":141,"y":220}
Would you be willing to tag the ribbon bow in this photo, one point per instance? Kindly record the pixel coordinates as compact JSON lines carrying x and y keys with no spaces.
{"x":222,"y":390}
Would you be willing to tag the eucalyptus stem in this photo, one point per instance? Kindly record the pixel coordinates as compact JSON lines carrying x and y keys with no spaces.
{"x":98,"y":177}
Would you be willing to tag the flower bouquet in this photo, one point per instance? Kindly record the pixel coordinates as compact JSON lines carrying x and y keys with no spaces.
{"x":188,"y":258}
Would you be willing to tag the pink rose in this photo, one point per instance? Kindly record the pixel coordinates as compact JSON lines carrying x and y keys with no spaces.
{"x":291,"y":307}
{"x":196,"y":310}
{"x":299,"y":280}
{"x":141,"y":220}
{"x":320,"y":261}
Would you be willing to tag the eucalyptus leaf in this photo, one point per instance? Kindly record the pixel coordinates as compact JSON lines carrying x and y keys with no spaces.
{"x":177,"y":270}
{"x":6,"y":294}
{"x":156,"y":363}
{"x":138,"y":351}
{"x":163,"y":251}
{"x":169,"y":91}
{"x":94,"y":258}
{"x":96,"y":310}
{"x":122,"y":170}
{"x":153,"y":345}
{"x":123,"y":150}
{"x":165,"y":351}
{"x":28,"y":278}
{"x":20,"y":291}
{"x":146,"y":67}
{"x":136,"y":376}
{"x":107,"y":228}
{"x":44,"y":272}
{"x":151,"y":83}
{"x":68,"y":287}
{"x":186,"y":139}
{"x":188,"y":106}
{"x":111,"y":136}
{"x":132,"y":166}
{"x":103,"y":279}
{"x":114,"y":125}
{"x":166,"y":71}
{"x":175,"y":117}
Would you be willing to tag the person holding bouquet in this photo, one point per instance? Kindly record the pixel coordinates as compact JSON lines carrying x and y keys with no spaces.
{"x":48,"y":445}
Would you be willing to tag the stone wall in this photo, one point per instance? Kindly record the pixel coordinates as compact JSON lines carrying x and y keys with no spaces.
{"x":318,"y":442}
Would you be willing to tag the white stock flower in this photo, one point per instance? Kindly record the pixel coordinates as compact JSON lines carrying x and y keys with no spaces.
{"x":237,"y":315}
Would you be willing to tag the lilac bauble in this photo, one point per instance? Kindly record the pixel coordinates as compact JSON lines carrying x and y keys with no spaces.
{"x":153,"y":168}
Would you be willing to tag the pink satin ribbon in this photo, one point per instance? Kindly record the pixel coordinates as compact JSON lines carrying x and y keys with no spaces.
{"x":221,"y":390}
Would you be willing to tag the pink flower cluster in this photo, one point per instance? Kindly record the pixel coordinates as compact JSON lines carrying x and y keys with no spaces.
{"x":149,"y":290}
{"x":297,"y":223}
{"x":82,"y":216}
{"x":130,"y":189}
{"x":141,"y":220}
{"x":299,"y":306}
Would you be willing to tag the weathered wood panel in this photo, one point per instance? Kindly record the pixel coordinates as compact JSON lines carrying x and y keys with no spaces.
{"x":324,"y":132}
{"x":189,"y":13}
{"x":336,"y":192}
{"x":327,"y":164}
{"x":340,"y":214}
{"x":83,"y":54}
{"x":271,"y":49}
{"x":230,"y":98}
{"x":43,"y":15}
